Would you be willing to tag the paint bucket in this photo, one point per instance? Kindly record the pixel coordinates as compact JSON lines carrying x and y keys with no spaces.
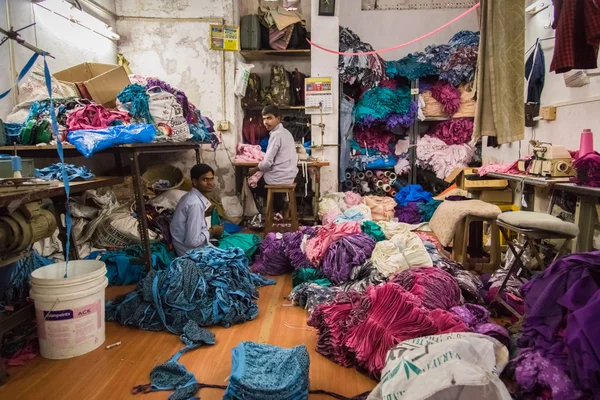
{"x":69,"y":311}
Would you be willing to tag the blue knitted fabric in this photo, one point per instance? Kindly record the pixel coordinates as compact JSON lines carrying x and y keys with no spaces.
{"x":54,"y":172}
{"x":266,"y":372}
{"x":209,"y":286}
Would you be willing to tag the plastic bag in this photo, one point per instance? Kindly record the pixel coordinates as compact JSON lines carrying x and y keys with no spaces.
{"x":232,"y":207}
{"x":242,"y":74}
{"x":460,"y":366}
{"x":89,"y":141}
{"x":168,"y":117}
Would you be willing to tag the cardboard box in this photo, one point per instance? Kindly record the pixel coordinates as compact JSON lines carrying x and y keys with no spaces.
{"x":497,"y":196}
{"x":98,"y":82}
{"x":462,"y":177}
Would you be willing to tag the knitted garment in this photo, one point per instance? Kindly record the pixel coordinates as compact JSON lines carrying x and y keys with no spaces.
{"x":135,"y":99}
{"x":263,"y":371}
{"x":330,"y":216}
{"x":344,"y":254}
{"x":208,"y":286}
{"x":356,"y":213}
{"x":434,"y":287}
{"x":588,"y":170}
{"x":95,"y":116}
{"x":174,"y":376}
{"x":272,"y":259}
{"x":14,"y":287}
{"x":392,"y":228}
{"x":54,"y":172}
{"x":454,"y":131}
{"x":379,"y":102}
{"x":447,"y":95}
{"x":292,"y":246}
{"x":410,"y":68}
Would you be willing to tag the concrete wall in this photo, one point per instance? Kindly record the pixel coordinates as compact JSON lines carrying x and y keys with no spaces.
{"x":176,"y":51}
{"x":572,"y":117}
{"x":384,"y":29}
{"x":69,"y":43}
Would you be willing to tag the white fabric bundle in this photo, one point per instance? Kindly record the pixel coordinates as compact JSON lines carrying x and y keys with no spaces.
{"x":388,"y":259}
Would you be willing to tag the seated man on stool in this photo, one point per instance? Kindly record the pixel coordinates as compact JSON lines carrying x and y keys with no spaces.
{"x":189,"y":228}
{"x":280,"y":165}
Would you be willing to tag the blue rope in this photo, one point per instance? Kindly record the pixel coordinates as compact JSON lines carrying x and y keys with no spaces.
{"x":23,"y":72}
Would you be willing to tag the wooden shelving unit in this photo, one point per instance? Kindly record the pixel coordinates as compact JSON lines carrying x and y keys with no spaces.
{"x":275,"y":55}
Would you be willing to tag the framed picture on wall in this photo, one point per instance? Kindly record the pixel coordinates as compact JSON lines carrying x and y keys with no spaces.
{"x":327,"y":8}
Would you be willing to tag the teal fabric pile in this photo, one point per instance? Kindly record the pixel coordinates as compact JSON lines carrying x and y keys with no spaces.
{"x":379,"y":102}
{"x":410,"y":68}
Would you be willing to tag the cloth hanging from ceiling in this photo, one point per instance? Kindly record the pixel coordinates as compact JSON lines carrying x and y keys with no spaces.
{"x":501,"y":72}
{"x":577,"y":25}
{"x":535,"y":74}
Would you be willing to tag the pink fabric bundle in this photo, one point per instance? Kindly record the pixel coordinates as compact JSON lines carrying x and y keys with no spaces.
{"x":253,"y":180}
{"x":389,"y":83}
{"x":374,"y":138}
{"x":447,"y":95}
{"x":330,"y":216}
{"x":443,"y":159}
{"x":434,"y":287}
{"x":391,"y":315}
{"x":501,"y":168}
{"x":94,"y":116}
{"x":327,"y":234}
{"x":402,"y":146}
{"x":249,"y":153}
{"x":454,"y":131}
{"x":382,"y":208}
{"x":352,"y":199}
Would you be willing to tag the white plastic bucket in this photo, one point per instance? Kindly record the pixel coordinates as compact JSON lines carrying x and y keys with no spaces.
{"x":69,"y":311}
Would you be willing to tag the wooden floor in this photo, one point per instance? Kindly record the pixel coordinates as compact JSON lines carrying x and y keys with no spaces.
{"x":110,"y":374}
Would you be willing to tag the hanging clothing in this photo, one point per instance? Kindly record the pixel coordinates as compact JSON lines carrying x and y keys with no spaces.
{"x":535,"y":74}
{"x":500,"y":72}
{"x":577,"y":25}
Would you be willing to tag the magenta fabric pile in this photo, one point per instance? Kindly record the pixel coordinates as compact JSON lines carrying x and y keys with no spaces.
{"x":434,"y":287}
{"x":344,"y":254}
{"x":447,"y":95}
{"x":94,"y":116}
{"x":588,"y":170}
{"x":454,"y":131}
{"x":374,"y":138}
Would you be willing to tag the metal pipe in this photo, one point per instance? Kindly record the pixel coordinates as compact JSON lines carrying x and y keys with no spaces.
{"x":11,"y":55}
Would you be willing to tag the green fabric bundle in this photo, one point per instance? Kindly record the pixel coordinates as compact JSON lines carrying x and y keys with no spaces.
{"x":372,"y":229}
{"x":309,"y":275}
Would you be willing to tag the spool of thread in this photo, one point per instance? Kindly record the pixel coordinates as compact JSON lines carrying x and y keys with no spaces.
{"x":586,"y":143}
{"x":17,"y":167}
{"x":361,"y":175}
{"x":393,"y":176}
{"x":369,"y":174}
{"x":380,"y":184}
{"x":387,"y":188}
{"x":397,"y":185}
{"x":387,"y":174}
{"x":374,"y":179}
{"x":348,"y":175}
{"x":386,"y":180}
{"x":355,"y":190}
{"x":379,"y":191}
{"x":348,"y":184}
{"x":393,"y":193}
{"x":379,"y":174}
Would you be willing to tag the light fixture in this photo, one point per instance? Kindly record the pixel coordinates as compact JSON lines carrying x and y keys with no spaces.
{"x":538,"y":6}
{"x":66,"y":10}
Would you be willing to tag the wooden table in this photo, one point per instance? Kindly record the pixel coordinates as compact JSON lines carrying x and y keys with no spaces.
{"x":242,"y":166}
{"x":586,"y":214}
{"x":132,"y":152}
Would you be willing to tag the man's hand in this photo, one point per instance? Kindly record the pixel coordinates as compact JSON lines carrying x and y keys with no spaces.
{"x":252,"y":171}
{"x":216,"y":231}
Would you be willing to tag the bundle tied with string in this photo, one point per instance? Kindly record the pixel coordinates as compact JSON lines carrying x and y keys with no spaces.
{"x":344,"y":254}
{"x":272,"y":259}
{"x":292,"y":246}
{"x":434,"y":287}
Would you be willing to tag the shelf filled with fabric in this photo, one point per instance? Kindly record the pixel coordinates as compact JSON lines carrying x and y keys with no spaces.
{"x":275,"y":55}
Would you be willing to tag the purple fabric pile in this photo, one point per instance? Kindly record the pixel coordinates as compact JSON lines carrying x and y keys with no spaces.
{"x":477,"y":319}
{"x":408,"y":214}
{"x":434,"y":287}
{"x":560,"y":346}
{"x":272,"y":260}
{"x":454,"y":131}
{"x":291,"y":247}
{"x":588,"y":170}
{"x":344,"y":254}
{"x":403,"y":120}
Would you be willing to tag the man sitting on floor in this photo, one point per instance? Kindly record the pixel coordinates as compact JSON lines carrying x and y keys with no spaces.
{"x":280,"y":165}
{"x":189,"y":228}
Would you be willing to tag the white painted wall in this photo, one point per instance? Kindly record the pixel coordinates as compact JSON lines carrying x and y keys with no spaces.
{"x":384,"y":29}
{"x":177,"y":52}
{"x":571,"y":119}
{"x":71,"y":44}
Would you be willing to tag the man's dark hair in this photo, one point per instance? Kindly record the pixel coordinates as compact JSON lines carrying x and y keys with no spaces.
{"x":200,"y":169}
{"x":272,"y":110}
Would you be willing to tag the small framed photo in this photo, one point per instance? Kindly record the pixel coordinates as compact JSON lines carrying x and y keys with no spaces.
{"x":327,"y":8}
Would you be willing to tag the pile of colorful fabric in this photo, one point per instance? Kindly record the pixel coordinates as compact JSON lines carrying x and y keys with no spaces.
{"x":368,"y":71}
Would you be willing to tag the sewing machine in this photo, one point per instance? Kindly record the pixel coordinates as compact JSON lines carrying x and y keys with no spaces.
{"x":548,"y":161}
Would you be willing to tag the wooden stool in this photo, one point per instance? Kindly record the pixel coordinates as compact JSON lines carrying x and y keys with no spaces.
{"x":290,"y":190}
{"x":461,"y":242}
